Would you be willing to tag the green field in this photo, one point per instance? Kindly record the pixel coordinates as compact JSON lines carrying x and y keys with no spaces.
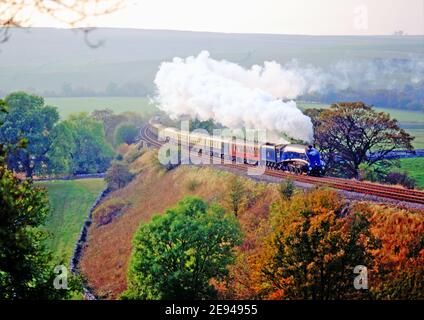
{"x":415,"y":168}
{"x":411,"y":121}
{"x":70,"y":202}
{"x":67,"y":106}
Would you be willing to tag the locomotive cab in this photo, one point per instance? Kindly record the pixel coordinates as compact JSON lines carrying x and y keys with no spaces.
{"x":315,"y":163}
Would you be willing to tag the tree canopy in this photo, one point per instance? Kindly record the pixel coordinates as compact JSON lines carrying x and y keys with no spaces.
{"x":80,"y":146}
{"x":73,"y":146}
{"x":351,"y":131}
{"x":178,"y":253}
{"x":313,"y":249}
{"x":30,"y":119}
{"x":118,"y":176}
{"x":125,"y":133}
{"x":24,"y":262}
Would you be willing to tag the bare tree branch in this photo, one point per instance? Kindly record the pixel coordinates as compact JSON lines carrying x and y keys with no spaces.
{"x":89,"y":43}
{"x":72,"y":13}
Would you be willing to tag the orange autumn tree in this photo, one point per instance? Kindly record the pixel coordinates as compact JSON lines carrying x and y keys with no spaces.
{"x":399,"y":269}
{"x":314,"y":248}
{"x":308,"y":246}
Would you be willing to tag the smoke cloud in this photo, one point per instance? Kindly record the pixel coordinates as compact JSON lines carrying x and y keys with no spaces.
{"x":204,"y":88}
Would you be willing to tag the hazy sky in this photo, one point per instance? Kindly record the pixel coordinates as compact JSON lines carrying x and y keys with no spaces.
{"x":335,"y":17}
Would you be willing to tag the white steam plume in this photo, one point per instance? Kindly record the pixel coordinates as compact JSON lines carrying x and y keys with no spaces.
{"x":205,"y":88}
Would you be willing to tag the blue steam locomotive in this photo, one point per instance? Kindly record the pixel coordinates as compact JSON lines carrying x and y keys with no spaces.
{"x":294,"y":158}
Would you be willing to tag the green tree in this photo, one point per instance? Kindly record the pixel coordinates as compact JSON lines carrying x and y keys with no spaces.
{"x":80,"y":146}
{"x":125,"y":133}
{"x":236,"y":195}
{"x":63,"y":150}
{"x":118,"y":176}
{"x":178,"y":253}
{"x":110,"y":121}
{"x":286,"y":189}
{"x":23,"y":259}
{"x":208,"y":125}
{"x":30,"y":119}
{"x":353,"y":130}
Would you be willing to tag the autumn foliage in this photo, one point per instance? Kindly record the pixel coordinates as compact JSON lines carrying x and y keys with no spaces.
{"x":300,"y":247}
{"x":313,"y":249}
{"x":314,"y":241}
{"x":399,"y":260}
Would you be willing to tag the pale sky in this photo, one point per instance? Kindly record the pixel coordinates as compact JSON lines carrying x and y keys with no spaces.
{"x":323,"y":17}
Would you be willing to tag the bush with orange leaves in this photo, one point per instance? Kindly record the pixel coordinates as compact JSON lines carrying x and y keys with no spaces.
{"x":313,"y":242}
{"x":314,"y":248}
{"x":399,"y":259}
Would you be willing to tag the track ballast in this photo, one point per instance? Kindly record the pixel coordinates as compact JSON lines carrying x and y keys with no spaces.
{"x":384,"y":191}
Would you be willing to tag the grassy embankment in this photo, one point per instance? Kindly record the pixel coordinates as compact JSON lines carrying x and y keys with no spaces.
{"x":70,"y":202}
{"x":152,"y":191}
{"x":115,"y":221}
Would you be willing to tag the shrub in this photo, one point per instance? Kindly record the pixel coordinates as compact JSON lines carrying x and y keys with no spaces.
{"x":192,"y":184}
{"x":402,"y":179}
{"x":286,"y":189}
{"x":125,"y":133}
{"x":381,"y":173}
{"x":236,"y":195}
{"x":118,"y":176}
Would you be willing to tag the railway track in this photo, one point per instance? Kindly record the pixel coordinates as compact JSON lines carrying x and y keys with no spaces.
{"x":390,"y":192}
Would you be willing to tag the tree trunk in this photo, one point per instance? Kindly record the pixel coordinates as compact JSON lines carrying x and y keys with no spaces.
{"x":356,"y":171}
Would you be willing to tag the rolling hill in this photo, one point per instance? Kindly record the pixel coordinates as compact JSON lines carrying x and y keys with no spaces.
{"x":58,"y":61}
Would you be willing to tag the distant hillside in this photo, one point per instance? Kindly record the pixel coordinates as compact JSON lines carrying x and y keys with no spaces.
{"x":59,"y":62}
